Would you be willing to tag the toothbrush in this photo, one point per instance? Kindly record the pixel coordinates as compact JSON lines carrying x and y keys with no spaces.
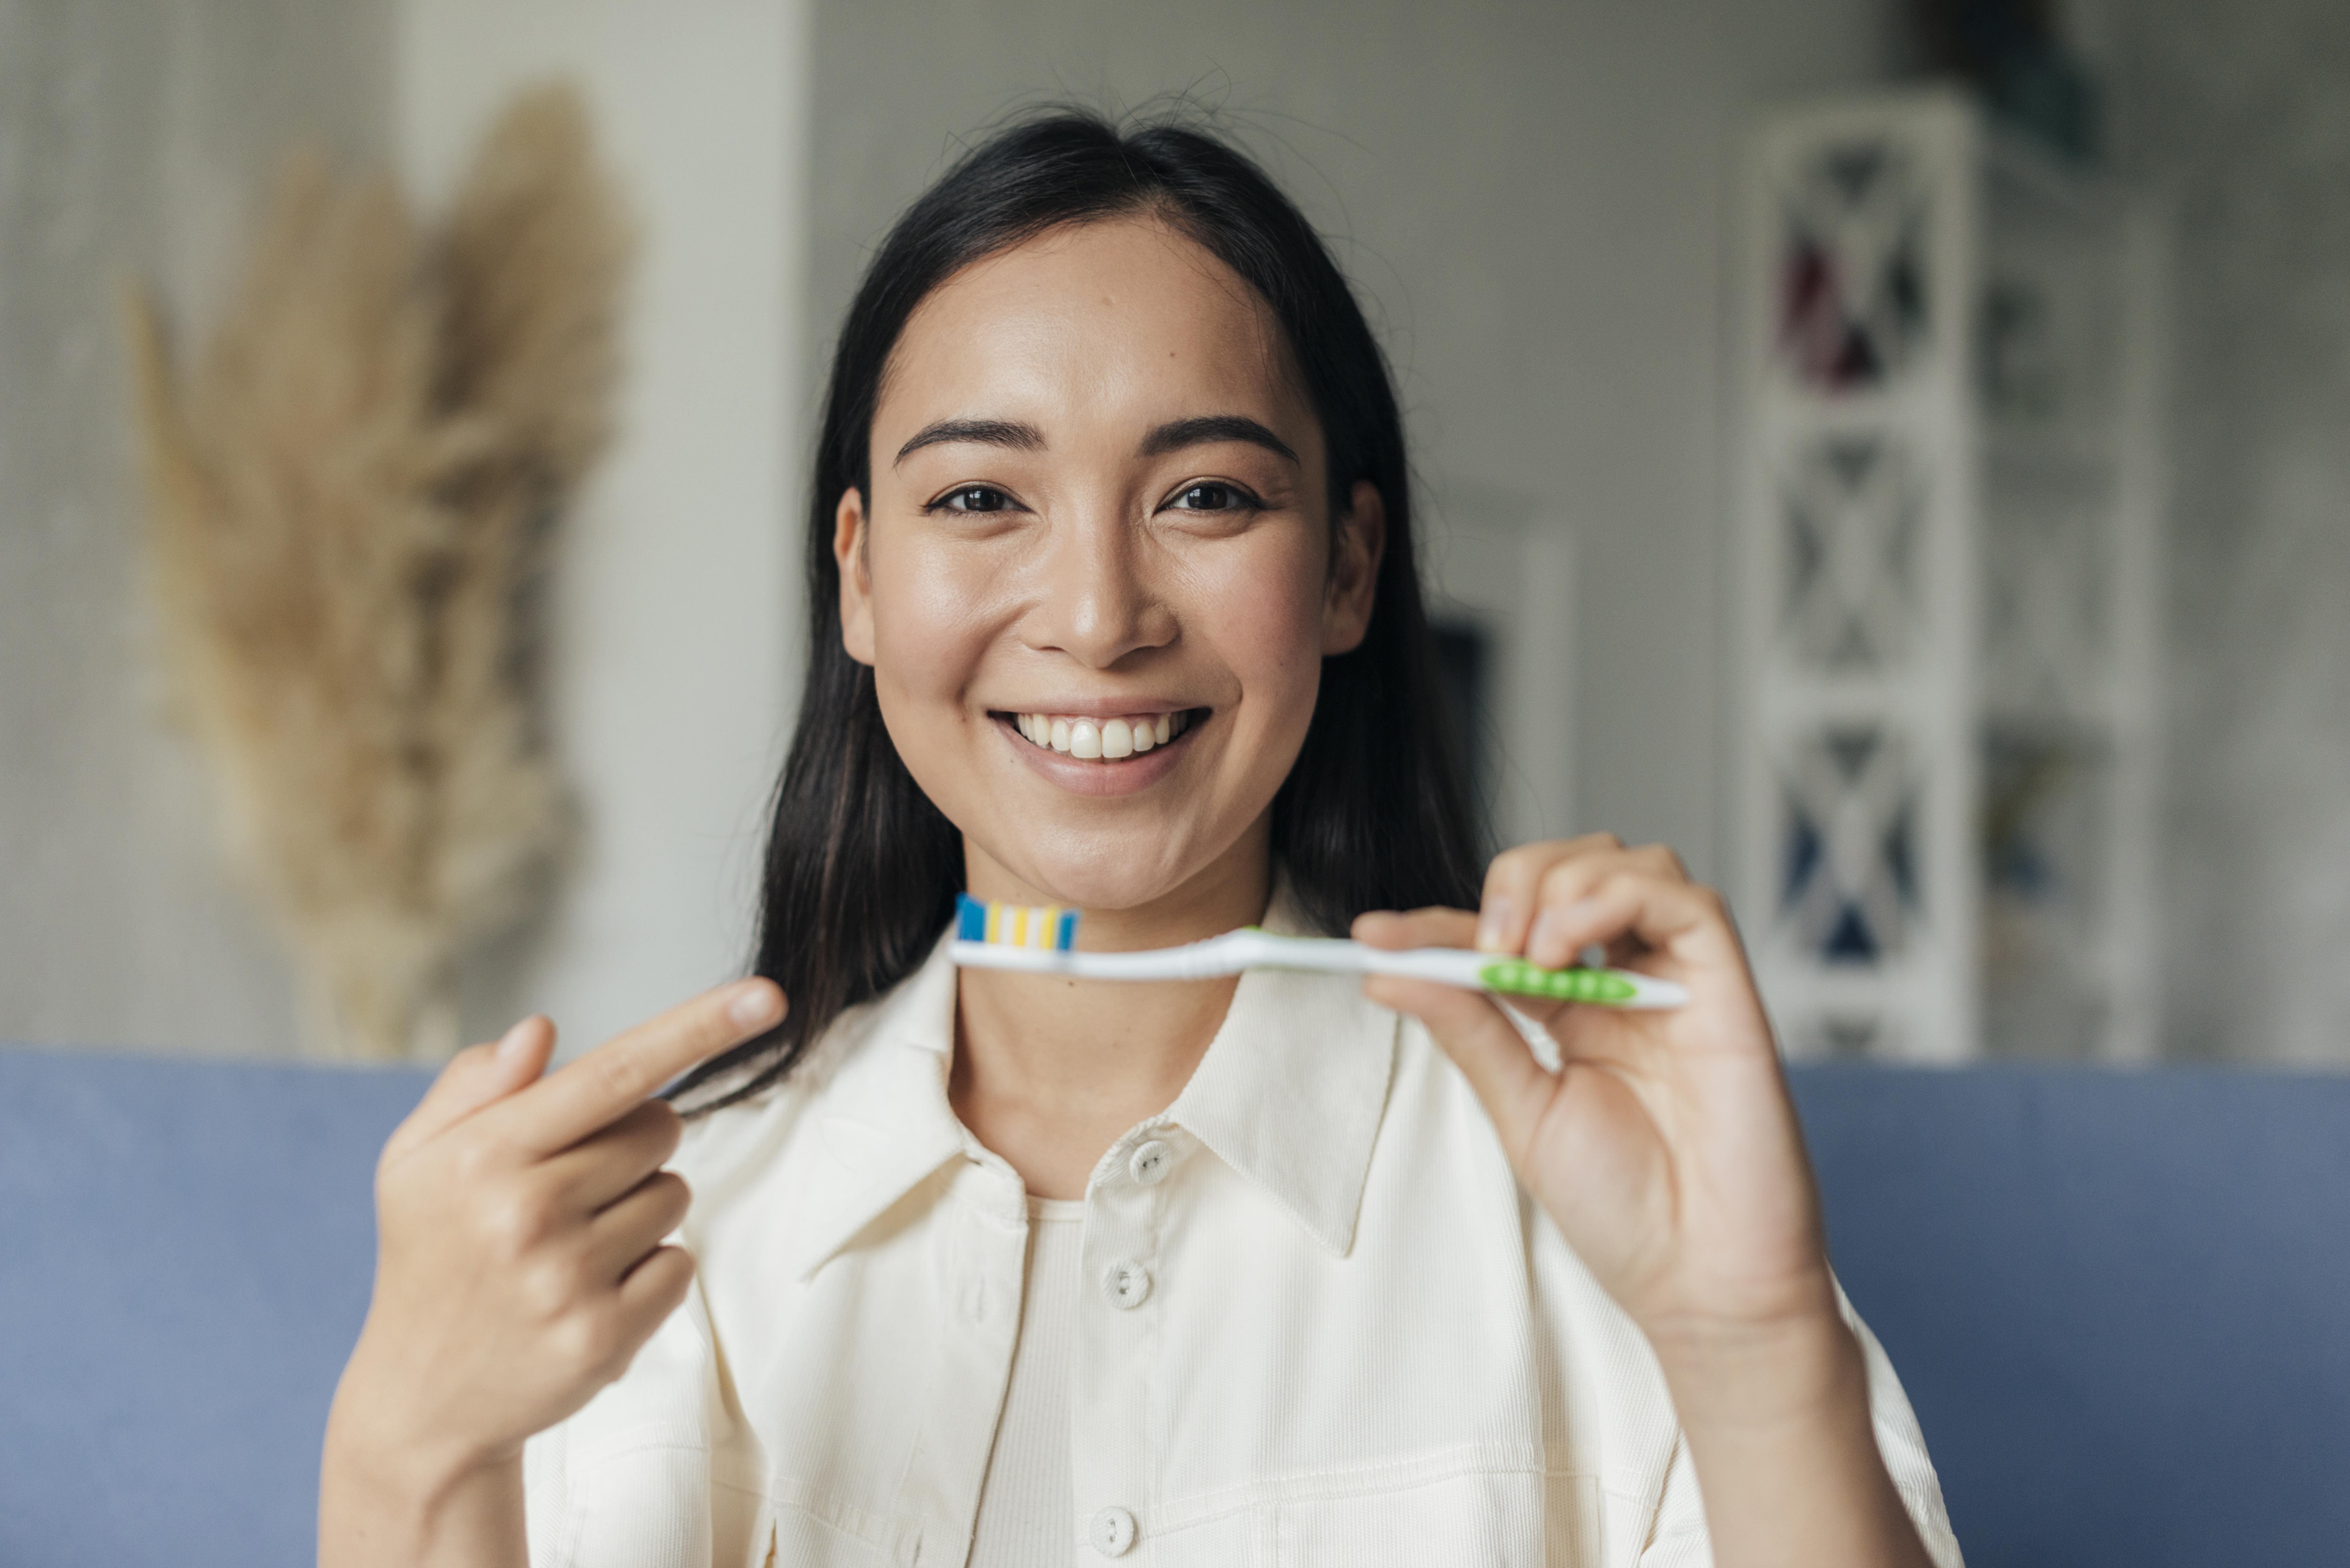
{"x":1043,"y":941}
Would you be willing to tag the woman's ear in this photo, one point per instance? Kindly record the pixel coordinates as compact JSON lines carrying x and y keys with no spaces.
{"x":1358,"y":541}
{"x":855,"y":582}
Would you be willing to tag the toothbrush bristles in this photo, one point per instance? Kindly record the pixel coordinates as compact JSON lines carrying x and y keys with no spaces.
{"x":1048,"y":929}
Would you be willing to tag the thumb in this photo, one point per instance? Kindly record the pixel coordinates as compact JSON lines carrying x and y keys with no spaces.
{"x":478,"y":1075}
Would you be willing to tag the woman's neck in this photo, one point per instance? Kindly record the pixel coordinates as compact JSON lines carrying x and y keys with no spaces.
{"x":1049,"y":1072}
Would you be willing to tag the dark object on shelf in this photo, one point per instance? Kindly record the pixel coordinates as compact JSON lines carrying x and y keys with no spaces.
{"x":2011,"y":50}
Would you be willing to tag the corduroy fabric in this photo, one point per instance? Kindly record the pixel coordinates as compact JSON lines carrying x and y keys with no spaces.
{"x":1027,"y":1511}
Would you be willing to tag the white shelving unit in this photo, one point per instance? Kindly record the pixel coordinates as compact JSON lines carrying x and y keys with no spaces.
{"x":1948,"y":533}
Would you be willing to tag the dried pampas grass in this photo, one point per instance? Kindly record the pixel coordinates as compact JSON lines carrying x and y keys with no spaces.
{"x":353,"y":490}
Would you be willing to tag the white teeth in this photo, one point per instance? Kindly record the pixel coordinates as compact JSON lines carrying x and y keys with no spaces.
{"x":1103,"y":739}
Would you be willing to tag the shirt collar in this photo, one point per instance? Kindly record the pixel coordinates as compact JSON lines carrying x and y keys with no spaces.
{"x":1289,"y":1095}
{"x":1292,"y":1088}
{"x":883,"y":1123}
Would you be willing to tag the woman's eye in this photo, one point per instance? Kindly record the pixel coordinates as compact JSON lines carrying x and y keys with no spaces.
{"x":973,"y":498}
{"x":1212,"y":497}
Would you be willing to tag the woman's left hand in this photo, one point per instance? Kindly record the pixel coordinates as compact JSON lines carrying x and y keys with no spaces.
{"x":1665,"y":1147}
{"x":1667,"y":1150}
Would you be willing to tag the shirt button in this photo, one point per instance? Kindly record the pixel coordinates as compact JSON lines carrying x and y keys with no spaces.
{"x":1150,"y":1162}
{"x":1112,"y":1531}
{"x":1127,"y":1285}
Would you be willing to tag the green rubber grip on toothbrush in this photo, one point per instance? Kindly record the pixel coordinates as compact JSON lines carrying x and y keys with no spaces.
{"x":1519,"y":978}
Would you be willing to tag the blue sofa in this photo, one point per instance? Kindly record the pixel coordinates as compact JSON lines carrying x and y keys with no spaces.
{"x":2121,"y":1303}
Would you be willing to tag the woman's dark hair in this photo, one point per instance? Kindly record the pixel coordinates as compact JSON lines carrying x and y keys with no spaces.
{"x":861,"y":869}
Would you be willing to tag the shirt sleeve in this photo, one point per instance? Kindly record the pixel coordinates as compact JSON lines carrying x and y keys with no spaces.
{"x":1679,"y":1538}
{"x":1904,"y":1448}
{"x":545,"y":1492}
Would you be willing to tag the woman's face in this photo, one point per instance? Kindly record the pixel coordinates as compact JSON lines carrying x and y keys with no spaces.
{"x":1098,"y":510}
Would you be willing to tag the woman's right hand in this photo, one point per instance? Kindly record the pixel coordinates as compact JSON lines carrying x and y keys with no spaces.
{"x":519,"y":1268}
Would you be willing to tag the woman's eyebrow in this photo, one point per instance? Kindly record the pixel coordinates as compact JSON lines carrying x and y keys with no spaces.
{"x":988,"y":432}
{"x":1209,"y":428}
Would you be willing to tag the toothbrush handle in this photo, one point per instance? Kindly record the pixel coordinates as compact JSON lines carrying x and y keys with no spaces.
{"x":1607,"y":987}
{"x":1517,"y":976}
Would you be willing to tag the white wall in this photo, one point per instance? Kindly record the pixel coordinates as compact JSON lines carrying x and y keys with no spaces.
{"x":2244,"y":113}
{"x":1534,"y":196}
{"x":134,"y":139}
{"x":677,"y":618}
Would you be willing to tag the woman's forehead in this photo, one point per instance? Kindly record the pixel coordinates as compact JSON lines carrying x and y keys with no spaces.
{"x":1121,"y":320}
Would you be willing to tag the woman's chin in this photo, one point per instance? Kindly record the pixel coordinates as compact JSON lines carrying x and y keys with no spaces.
{"x":1177,"y":876}
{"x":1100,"y":889}
{"x":1102,"y":873}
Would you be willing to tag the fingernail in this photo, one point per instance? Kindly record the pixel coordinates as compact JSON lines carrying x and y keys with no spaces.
{"x":1493,"y":924}
{"x":755,"y":1007}
{"x":511,"y":1044}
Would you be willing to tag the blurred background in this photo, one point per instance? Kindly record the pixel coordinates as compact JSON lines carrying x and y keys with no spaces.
{"x":1892,"y":451}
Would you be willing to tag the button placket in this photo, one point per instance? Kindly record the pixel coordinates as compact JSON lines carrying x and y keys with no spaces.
{"x":1112,"y":1395}
{"x":982,"y":1256}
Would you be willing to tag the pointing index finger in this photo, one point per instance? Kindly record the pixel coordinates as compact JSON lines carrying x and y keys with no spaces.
{"x":627,"y":1070}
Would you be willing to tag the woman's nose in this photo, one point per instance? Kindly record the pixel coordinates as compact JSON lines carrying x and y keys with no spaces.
{"x":1096,"y":605}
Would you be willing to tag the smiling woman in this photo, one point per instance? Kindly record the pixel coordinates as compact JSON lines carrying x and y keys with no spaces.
{"x":1152,"y":308}
{"x":1116,"y":608}
{"x":1096,"y":577}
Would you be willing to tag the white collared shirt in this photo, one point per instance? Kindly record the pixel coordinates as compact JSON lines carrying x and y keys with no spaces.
{"x":1324,"y":1325}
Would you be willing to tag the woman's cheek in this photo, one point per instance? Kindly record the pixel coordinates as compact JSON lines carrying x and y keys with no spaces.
{"x":1267,"y":610}
{"x":931,"y":621}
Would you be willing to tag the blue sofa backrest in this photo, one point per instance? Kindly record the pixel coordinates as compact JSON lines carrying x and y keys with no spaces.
{"x":186,"y":1250}
{"x":2121,"y":1303}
